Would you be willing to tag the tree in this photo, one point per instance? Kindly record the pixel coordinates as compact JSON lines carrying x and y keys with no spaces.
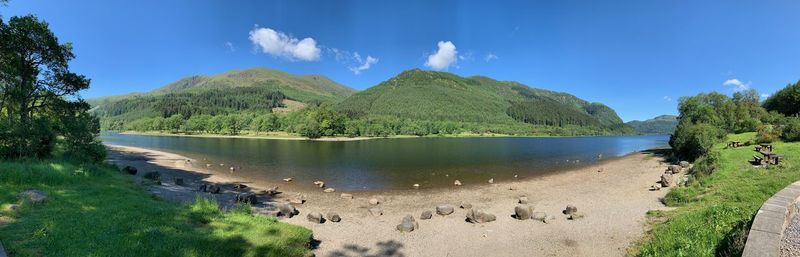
{"x":785,"y":101}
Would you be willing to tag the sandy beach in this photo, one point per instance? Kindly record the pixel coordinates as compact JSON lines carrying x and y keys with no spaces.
{"x":613,"y":195}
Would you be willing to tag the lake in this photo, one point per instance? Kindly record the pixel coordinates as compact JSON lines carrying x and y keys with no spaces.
{"x":392,"y":164}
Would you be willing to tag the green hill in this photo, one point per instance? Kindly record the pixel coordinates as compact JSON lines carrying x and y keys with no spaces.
{"x":256,"y":89}
{"x":440,"y":96}
{"x":664,"y":124}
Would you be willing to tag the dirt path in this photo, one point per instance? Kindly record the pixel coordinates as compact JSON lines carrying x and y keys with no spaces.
{"x":614,"y":201}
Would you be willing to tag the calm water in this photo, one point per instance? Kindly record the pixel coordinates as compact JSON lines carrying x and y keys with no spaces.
{"x":388,"y":164}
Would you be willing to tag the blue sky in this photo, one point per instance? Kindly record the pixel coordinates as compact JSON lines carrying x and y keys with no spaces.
{"x":638,"y":56}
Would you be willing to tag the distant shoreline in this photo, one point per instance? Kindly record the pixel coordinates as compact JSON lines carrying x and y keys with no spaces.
{"x":287,"y":136}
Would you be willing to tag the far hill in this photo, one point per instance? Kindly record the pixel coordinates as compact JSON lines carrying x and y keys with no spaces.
{"x":664,"y":124}
{"x":256,"y":89}
{"x":440,"y":96}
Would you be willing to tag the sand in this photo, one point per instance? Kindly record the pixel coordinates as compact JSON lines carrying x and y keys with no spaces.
{"x":613,"y":195}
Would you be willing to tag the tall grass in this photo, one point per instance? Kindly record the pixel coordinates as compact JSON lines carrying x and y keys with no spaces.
{"x":92,"y":210}
{"x":714,"y":213}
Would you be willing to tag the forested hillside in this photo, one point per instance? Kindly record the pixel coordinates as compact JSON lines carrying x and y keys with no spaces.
{"x":660,"y":125}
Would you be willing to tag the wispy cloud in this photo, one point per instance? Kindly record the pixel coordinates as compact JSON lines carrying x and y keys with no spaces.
{"x":365,"y":64}
{"x":737,"y":85}
{"x":489,"y":57}
{"x":444,"y":56}
{"x":230,"y":46}
{"x":279,"y":44}
{"x":353,"y":61}
{"x":667,"y":98}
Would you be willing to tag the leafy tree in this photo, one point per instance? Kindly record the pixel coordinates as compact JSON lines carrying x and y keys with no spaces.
{"x":791,"y":129}
{"x":692,"y":140}
{"x":785,"y":101}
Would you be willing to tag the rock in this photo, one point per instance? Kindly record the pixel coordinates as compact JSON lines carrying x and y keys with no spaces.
{"x":576,"y":216}
{"x":522,"y":212}
{"x":549,"y":218}
{"x":319,"y":183}
{"x":655,"y":187}
{"x":34,"y":196}
{"x":684,"y":164}
{"x":416,"y":186}
{"x":329,"y":190}
{"x":479,"y":216}
{"x":346,"y":196}
{"x":232,"y":169}
{"x":208,"y":165}
{"x":287,"y":210}
{"x":540,"y":216}
{"x":288,"y":179}
{"x":444,"y":209}
{"x":426,"y":215}
{"x":457,"y":183}
{"x":374,"y":201}
{"x":408,"y":224}
{"x":239,"y":186}
{"x":246,"y":198}
{"x":516,"y":176}
{"x":315,"y":217}
{"x":214,"y":189}
{"x":130,"y":170}
{"x":152,"y":175}
{"x":570,"y":209}
{"x":376,"y":212}
{"x":666,"y":180}
{"x":491,"y":181}
{"x":334,"y":217}
{"x":523,"y":200}
{"x":271,"y":191}
{"x":179,"y":182}
{"x":203,"y":188}
{"x":297,"y":199}
{"x":675,"y":169}
{"x":465,"y":205}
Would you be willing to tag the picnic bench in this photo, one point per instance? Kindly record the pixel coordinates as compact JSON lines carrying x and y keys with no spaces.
{"x":735,"y":144}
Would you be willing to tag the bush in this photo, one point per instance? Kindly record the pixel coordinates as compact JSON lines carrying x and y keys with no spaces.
{"x":691,"y":141}
{"x":791,"y":129}
{"x":35,"y":140}
{"x":767,"y":134}
{"x":706,"y":165}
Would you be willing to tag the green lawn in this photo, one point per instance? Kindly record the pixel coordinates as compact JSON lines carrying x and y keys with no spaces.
{"x":713,"y":215}
{"x":95,"y":211}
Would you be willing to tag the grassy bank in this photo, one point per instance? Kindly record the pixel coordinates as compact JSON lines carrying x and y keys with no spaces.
{"x":93,"y":210}
{"x":713,"y":214}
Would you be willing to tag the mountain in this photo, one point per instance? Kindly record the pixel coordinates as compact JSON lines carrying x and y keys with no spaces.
{"x":664,"y":124}
{"x":440,"y":96}
{"x":239,"y":90}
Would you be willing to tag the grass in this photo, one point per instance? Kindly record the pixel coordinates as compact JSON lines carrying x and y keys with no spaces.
{"x":713,"y":215}
{"x":93,"y":210}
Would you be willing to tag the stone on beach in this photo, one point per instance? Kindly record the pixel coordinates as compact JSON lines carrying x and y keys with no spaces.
{"x":287,"y":210}
{"x":655,"y":187}
{"x":319,"y":183}
{"x":288,"y":179}
{"x":576,"y":216}
{"x":315,"y":217}
{"x":334,"y":217}
{"x":444,"y":209}
{"x":329,"y":190}
{"x":408,"y":224}
{"x":457,"y":183}
{"x":416,"y":186}
{"x":271,"y":191}
{"x":203,"y":188}
{"x":465,"y":205}
{"x":684,"y":164}
{"x":426,"y":215}
{"x":540,"y":216}
{"x":570,"y":209}
{"x":346,"y":196}
{"x":376,"y":212}
{"x":491,"y":181}
{"x":523,"y":200}
{"x":33,"y":196}
{"x":523,"y":212}
{"x":246,"y":198}
{"x":297,"y":199}
{"x":479,"y":216}
{"x":239,"y":186}
{"x":214,"y":189}
{"x":374,"y":201}
{"x":666,"y":180}
{"x":675,"y":169}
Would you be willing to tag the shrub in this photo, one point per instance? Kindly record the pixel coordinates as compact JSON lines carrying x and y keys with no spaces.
{"x":691,"y":141}
{"x":706,"y":165}
{"x":767,"y":134}
{"x":791,"y":129}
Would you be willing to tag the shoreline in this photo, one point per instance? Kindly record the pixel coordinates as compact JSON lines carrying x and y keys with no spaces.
{"x":286,"y":136}
{"x":615,"y":202}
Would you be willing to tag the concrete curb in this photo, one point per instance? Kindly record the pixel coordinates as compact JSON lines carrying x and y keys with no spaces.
{"x":771,"y":220}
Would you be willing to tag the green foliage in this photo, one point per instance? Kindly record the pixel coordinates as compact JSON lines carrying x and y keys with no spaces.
{"x":93,"y":210}
{"x":691,"y":141}
{"x":785,"y":101}
{"x":791,"y":129}
{"x":767,"y":134}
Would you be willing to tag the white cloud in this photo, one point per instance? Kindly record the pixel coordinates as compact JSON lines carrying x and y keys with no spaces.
{"x":230,"y":46}
{"x":764,"y":95}
{"x":490,"y":57}
{"x":279,"y":44}
{"x":444,"y":57}
{"x":667,"y":98}
{"x":737,"y":85}
{"x":365,"y":64}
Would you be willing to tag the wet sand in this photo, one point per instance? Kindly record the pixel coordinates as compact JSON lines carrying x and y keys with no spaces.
{"x":613,"y":195}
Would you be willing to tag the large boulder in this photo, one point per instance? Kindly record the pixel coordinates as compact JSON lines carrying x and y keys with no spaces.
{"x":334,"y":217}
{"x":675,"y":169}
{"x":666,"y":180}
{"x":426,"y":215}
{"x":523,"y":212}
{"x":33,"y":196}
{"x":130,"y":170}
{"x":315,"y":217}
{"x":287,"y":210}
{"x":570,"y":209}
{"x":479,"y":216}
{"x":444,"y":209}
{"x":684,"y":164}
{"x":408,"y":224}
